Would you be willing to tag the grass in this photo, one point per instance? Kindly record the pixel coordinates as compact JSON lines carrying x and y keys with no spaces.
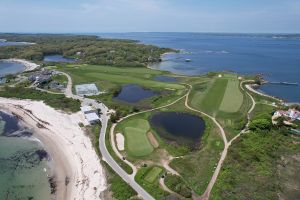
{"x":152,"y":187}
{"x":197,"y":167}
{"x":111,"y":79}
{"x":214,"y":96}
{"x":257,"y":162}
{"x":233,"y":98}
{"x":153,"y":174}
{"x":57,"y":101}
{"x":137,"y":143}
{"x":177,"y":184}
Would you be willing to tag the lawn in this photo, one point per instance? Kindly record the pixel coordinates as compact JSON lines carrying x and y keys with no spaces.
{"x":214,"y":96}
{"x":137,"y":143}
{"x":153,"y":174}
{"x":233,"y":98}
{"x":116,"y":76}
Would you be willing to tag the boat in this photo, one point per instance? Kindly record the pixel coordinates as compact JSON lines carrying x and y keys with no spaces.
{"x":188,"y":60}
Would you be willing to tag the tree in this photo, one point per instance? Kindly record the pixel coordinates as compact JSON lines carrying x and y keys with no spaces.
{"x":260,"y":125}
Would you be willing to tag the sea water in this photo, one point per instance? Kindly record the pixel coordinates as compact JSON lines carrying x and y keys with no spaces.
{"x":24,"y":169}
{"x":274,"y":56}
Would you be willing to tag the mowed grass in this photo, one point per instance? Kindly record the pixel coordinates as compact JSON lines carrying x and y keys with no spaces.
{"x":233,"y":98}
{"x":153,"y":174}
{"x":137,"y":143}
{"x":214,"y":96}
{"x":106,"y":76}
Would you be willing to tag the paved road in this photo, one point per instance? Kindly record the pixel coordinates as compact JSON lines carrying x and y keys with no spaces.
{"x":102,"y":146}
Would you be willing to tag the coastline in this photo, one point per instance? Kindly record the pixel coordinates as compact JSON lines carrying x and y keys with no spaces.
{"x":77,"y":169}
{"x":29,"y":66}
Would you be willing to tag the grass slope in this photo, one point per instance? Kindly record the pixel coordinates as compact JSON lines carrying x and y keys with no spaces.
{"x":153,"y":174}
{"x":233,"y":98}
{"x":137,"y":143}
{"x":212,"y":100}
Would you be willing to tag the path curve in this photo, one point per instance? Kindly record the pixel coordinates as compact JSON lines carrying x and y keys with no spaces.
{"x":206,"y":194}
{"x":102,"y":145}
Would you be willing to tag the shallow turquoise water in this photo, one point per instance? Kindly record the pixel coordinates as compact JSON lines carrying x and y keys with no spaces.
{"x":23,"y":163}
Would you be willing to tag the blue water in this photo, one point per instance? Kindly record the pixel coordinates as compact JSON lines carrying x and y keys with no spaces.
{"x":278,"y":58}
{"x":10,"y":68}
{"x":5,"y":44}
{"x":134,"y":93}
{"x":58,"y":58}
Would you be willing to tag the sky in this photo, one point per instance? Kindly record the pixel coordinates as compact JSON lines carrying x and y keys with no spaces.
{"x":96,"y":16}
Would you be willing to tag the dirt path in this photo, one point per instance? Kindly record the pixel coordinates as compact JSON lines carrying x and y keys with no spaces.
{"x":206,"y":194}
{"x":112,"y":130}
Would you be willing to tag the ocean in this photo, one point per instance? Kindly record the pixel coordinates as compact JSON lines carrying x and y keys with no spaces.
{"x":25,"y":171}
{"x":277,"y":57}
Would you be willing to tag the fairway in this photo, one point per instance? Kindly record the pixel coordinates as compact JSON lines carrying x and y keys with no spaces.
{"x":233,"y":98}
{"x":213,"y":98}
{"x":116,"y":75}
{"x":137,"y":143}
{"x":153,"y":174}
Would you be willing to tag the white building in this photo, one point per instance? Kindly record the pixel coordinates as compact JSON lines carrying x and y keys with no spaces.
{"x":87,"y":90}
{"x":90,"y":114}
{"x":87,"y":109}
{"x":92,"y":118}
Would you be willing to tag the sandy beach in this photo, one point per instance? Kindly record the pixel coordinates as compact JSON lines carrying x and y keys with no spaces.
{"x":29,"y":66}
{"x":78,"y":173}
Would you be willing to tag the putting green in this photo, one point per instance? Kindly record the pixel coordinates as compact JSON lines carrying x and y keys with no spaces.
{"x":137,"y":143}
{"x":233,"y":98}
{"x":153,"y":174}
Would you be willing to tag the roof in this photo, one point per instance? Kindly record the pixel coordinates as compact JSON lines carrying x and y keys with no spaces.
{"x":92,"y":117}
{"x":86,"y":89}
{"x":86,"y":108}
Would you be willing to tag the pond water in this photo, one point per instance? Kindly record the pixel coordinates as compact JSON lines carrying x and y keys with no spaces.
{"x":58,"y":58}
{"x":183,"y":128}
{"x":10,"y":67}
{"x":168,"y":79}
{"x":134,"y":93}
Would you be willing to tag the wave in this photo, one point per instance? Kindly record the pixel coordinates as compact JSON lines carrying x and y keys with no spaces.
{"x":215,"y":52}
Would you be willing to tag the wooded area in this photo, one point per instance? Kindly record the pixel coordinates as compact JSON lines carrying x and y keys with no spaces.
{"x":87,"y":49}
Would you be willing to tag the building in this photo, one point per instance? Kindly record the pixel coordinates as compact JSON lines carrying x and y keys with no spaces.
{"x":41,"y":77}
{"x":92,"y":118}
{"x":90,"y":114}
{"x":87,"y":109}
{"x":293,"y":114}
{"x":87,"y":90}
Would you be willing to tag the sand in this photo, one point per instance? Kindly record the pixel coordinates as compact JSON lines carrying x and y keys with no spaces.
{"x":68,"y":146}
{"x":29,"y":66}
{"x":120,"y":141}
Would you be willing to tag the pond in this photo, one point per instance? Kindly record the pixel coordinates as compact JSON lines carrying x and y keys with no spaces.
{"x":168,"y":79}
{"x":10,"y":68}
{"x":134,"y":93}
{"x":179,"y":127}
{"x":58,"y":58}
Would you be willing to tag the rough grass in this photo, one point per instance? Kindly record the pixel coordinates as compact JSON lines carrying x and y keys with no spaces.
{"x":137,"y":143}
{"x":153,"y":174}
{"x":233,"y":98}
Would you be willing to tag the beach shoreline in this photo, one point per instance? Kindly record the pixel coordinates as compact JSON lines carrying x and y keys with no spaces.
{"x":29,"y":66}
{"x":77,"y":169}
